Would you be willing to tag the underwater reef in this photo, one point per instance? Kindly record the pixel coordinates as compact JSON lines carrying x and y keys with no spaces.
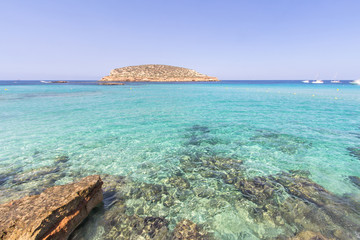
{"x":354,"y":151}
{"x":209,"y":194}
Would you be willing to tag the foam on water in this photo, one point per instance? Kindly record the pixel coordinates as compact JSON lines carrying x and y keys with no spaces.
{"x":144,"y":131}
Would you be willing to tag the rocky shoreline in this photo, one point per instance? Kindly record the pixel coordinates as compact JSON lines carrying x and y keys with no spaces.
{"x":56,"y":212}
{"x":53,"y":214}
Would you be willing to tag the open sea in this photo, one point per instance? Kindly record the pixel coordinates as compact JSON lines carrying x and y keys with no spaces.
{"x":241,"y":159}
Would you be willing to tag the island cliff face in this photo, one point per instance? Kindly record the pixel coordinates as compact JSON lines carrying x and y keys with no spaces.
{"x":156,"y":73}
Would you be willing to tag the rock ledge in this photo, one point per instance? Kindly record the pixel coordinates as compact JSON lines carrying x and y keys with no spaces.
{"x":53,"y":214}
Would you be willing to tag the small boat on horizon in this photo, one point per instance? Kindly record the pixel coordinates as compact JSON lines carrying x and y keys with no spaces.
{"x":318,"y":81}
{"x":306,"y":81}
{"x":334,"y":79}
{"x":54,"y":81}
{"x":355,"y":82}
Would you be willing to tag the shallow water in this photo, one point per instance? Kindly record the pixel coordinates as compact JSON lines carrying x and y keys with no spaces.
{"x":151,"y":133}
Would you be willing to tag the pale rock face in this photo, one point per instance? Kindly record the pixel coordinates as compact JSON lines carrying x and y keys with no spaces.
{"x":156,"y":73}
{"x":53,"y":214}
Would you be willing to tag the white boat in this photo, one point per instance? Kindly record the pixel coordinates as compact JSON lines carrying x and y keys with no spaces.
{"x":45,"y":81}
{"x":306,"y":81}
{"x":334,"y":80}
{"x":318,"y":82}
{"x":355,"y":82}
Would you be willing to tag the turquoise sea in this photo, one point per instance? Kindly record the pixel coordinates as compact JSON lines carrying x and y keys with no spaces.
{"x":242,"y":159}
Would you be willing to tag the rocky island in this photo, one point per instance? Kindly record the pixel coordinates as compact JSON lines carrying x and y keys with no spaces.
{"x":156,"y":73}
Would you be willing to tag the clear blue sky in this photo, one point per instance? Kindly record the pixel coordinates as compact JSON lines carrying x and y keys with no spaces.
{"x":230,"y":39}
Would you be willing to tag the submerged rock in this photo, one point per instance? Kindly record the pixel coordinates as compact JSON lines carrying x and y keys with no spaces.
{"x":304,"y":188}
{"x":119,"y":225}
{"x":120,"y":188}
{"x":150,"y":192}
{"x":34,"y":174}
{"x":355,"y":180}
{"x":293,"y":199}
{"x":53,"y":214}
{"x":221,"y":163}
{"x":354,"y":151}
{"x":199,"y":128}
{"x":309,"y":235}
{"x":113,"y":188}
{"x":137,"y":210}
{"x":135,"y":227}
{"x":186,"y":229}
{"x":204,"y":192}
{"x":18,"y":183}
{"x":289,"y":201}
{"x":201,"y":138}
{"x":178,"y":181}
{"x":3,"y":179}
{"x":259,"y":189}
{"x":227,"y":169}
{"x":198,"y":135}
{"x":62,"y":159}
{"x":169,"y":201}
{"x":285,"y":143}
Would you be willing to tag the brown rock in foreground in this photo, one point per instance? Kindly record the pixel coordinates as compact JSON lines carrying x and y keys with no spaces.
{"x":156,"y":73}
{"x":53,"y":214}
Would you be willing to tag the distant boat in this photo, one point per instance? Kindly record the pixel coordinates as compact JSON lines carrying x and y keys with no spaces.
{"x":318,"y":82}
{"x":306,"y":81}
{"x":45,"y":81}
{"x":355,"y":82}
{"x":334,"y":80}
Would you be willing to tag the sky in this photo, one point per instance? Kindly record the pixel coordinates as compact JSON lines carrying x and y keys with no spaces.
{"x":229,"y":39}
